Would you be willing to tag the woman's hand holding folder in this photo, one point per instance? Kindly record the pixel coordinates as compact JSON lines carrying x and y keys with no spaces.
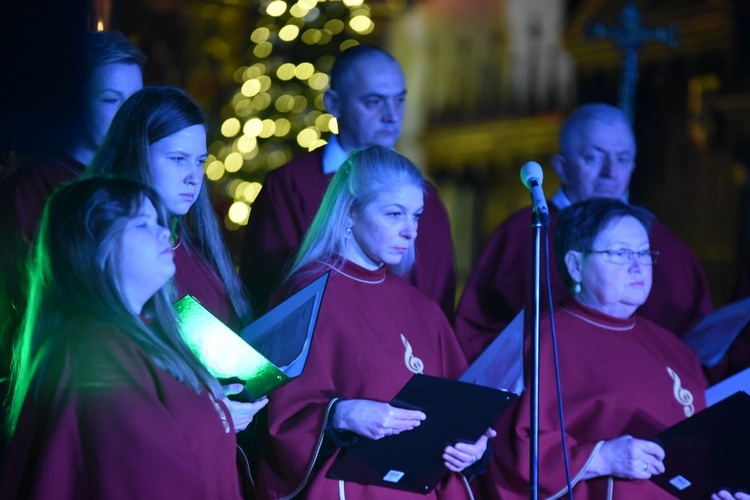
{"x":373,"y":419}
{"x":242,"y":412}
{"x":464,"y":455}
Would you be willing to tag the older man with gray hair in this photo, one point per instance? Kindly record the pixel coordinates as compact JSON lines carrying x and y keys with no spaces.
{"x":596,"y":159}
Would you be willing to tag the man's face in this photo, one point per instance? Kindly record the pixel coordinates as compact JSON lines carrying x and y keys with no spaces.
{"x":369,"y":104}
{"x":601,"y":161}
{"x":109,"y":87}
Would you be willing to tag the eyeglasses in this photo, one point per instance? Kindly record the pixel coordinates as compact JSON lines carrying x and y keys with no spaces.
{"x":626,"y":256}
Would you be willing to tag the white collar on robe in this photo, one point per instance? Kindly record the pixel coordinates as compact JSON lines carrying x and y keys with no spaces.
{"x":333,"y":155}
{"x":560,"y":200}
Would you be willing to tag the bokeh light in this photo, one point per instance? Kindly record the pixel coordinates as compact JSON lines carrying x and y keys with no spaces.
{"x":233,"y":162}
{"x":253,"y":127}
{"x":276,"y":8}
{"x":250,"y":88}
{"x":215,"y":170}
{"x":289,"y":32}
{"x":278,"y":110}
{"x":230,"y":127}
{"x":361,"y":24}
{"x":239,"y":212}
{"x":304,"y":71}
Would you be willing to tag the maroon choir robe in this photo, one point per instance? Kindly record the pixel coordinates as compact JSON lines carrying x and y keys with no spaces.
{"x":374,"y":331}
{"x":24,"y":192}
{"x":500,"y":284}
{"x":618,"y":377}
{"x":109,"y":424}
{"x":194,"y":276}
{"x":285,"y":208}
{"x":22,"y":196}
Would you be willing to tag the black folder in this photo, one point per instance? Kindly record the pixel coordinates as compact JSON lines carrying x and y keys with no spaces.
{"x":709,"y":451}
{"x":269,"y":352}
{"x":457,"y":411}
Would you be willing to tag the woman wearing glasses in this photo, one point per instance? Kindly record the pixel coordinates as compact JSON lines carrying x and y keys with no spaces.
{"x":623,"y":378}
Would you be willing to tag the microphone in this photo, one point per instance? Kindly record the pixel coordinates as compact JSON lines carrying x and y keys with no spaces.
{"x":531,"y":176}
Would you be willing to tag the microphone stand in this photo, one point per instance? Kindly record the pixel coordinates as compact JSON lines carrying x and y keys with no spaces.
{"x":536,"y":224}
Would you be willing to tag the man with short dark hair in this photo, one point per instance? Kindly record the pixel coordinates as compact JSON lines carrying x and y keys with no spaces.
{"x":597,"y":158}
{"x":366,"y":95}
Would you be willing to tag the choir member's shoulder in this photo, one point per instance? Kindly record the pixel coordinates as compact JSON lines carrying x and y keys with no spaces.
{"x":299,"y":280}
{"x":306,"y":165}
{"x":102,"y":353}
{"x":520,"y":216}
{"x":518,"y":221}
{"x":414,"y":296}
{"x":668,"y":341}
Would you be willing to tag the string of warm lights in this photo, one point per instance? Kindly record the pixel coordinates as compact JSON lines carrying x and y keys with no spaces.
{"x":278,"y":111}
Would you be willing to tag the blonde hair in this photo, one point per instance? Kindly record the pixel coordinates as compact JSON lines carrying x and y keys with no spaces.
{"x":363,"y":176}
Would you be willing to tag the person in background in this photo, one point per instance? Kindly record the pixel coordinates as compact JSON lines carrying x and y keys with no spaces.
{"x":366,"y":95}
{"x":597,"y":158}
{"x":623,"y":378}
{"x":373,"y":333}
{"x":110,"y":73}
{"x":108,"y":401}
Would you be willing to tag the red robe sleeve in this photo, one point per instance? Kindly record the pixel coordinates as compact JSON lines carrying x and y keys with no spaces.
{"x":513,"y":443}
{"x":109,"y":424}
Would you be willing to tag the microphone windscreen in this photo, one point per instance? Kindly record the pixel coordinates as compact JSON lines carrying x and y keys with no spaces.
{"x":531,"y":170}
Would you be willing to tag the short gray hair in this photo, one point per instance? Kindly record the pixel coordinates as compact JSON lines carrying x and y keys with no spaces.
{"x":571,"y":130}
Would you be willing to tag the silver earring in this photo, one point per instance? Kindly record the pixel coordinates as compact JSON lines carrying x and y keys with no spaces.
{"x":577,"y":288}
{"x":348,"y":233}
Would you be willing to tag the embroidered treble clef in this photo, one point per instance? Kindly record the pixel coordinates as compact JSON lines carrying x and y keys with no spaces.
{"x":413,"y":363}
{"x":682,"y":395}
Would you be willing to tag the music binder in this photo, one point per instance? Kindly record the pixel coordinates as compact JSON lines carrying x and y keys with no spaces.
{"x":266,"y":354}
{"x":457,"y":411}
{"x":728,"y":387}
{"x":708,"y":452}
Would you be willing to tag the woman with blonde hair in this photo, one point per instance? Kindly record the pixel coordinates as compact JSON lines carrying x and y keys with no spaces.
{"x":374,"y":332}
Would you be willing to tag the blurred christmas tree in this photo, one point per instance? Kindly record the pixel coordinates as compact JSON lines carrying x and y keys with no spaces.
{"x":278,"y":111}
